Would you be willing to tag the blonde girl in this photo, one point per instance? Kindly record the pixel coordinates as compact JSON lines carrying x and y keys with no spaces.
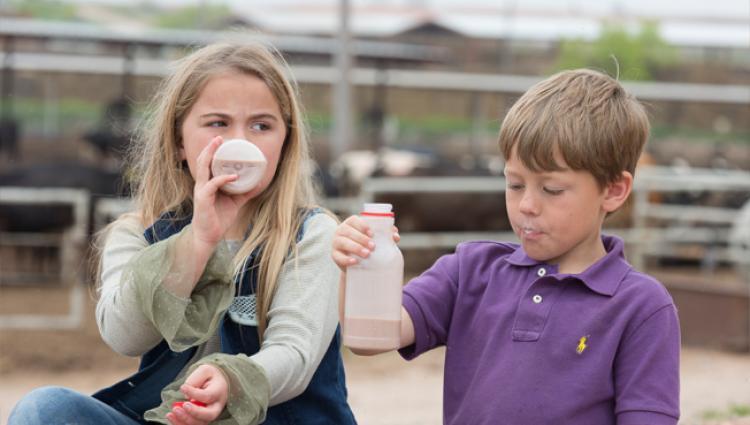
{"x":229,"y":300}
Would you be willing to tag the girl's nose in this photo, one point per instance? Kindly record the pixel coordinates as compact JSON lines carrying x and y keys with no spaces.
{"x":238,"y":132}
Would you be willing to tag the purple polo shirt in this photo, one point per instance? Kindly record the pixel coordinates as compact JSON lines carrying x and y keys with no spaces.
{"x":526,"y":345}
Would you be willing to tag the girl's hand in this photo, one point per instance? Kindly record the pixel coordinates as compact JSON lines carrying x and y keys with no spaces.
{"x":213,"y":211}
{"x":206,"y":385}
{"x":353,"y":240}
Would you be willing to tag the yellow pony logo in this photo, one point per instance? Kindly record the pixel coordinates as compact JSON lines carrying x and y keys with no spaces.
{"x":582,"y":344}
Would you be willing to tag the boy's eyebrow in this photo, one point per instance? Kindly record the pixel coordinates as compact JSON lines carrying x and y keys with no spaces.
{"x":510,"y":171}
{"x":543,"y":174}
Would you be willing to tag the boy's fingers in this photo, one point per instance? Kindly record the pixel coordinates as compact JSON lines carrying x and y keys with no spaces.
{"x":343,"y":260}
{"x":350,"y":233}
{"x":358,"y":224}
{"x":396,"y":236}
{"x":349,"y":246}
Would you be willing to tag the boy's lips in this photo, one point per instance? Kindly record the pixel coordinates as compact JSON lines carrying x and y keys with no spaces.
{"x":527,"y":232}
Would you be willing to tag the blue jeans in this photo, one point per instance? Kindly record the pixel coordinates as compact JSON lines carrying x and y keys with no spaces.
{"x":63,"y":406}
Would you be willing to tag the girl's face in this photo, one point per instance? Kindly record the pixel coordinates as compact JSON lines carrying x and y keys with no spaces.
{"x":234,"y":105}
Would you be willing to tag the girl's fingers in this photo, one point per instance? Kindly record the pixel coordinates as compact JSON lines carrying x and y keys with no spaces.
{"x":203,"y":414}
{"x":185,"y":418}
{"x":203,"y":173}
{"x":174,"y":420}
{"x":215,"y":183}
{"x":201,"y":394}
{"x":198,"y":378}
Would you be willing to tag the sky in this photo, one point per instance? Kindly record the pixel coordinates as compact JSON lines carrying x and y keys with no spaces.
{"x":696,"y":8}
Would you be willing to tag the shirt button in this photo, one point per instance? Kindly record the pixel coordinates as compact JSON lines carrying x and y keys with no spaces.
{"x":537,"y":299}
{"x":541,"y":272}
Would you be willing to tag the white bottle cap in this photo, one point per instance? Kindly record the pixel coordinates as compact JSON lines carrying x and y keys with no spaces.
{"x":241,"y":157}
{"x":378,"y":209}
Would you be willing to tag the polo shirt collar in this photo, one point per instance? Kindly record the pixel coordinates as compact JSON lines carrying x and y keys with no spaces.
{"x":602,"y":277}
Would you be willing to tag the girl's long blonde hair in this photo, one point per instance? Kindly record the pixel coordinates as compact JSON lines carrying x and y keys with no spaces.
{"x":160,"y":183}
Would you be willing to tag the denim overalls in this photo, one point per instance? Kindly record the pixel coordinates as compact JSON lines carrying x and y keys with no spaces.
{"x":322,"y":402}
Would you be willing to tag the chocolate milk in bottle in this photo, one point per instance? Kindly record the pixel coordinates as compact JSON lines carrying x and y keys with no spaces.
{"x":372,"y":308}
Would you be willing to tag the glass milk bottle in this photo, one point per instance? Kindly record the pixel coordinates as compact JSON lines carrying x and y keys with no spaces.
{"x":372,"y":308}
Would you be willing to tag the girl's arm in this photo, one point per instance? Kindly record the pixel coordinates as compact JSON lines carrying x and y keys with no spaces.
{"x":137,"y":277}
{"x":303,"y":315}
{"x":121,"y":322}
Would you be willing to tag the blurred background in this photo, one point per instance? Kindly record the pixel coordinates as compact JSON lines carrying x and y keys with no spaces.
{"x":404,"y":99}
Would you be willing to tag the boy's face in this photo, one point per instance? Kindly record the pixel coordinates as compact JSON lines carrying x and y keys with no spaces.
{"x":557,"y":215}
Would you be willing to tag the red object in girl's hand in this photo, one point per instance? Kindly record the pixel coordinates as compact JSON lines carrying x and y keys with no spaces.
{"x":195,"y":402}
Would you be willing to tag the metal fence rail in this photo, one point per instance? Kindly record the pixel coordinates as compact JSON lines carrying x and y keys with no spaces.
{"x":71,"y":243}
{"x":685,"y":231}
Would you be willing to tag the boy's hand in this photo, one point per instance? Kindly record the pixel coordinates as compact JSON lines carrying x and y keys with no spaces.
{"x":353,"y":240}
{"x":206,"y":385}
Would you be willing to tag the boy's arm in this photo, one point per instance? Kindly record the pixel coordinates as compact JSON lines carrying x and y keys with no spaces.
{"x":407,"y":326}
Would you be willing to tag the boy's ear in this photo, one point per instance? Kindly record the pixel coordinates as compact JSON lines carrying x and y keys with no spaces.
{"x":617,"y":192}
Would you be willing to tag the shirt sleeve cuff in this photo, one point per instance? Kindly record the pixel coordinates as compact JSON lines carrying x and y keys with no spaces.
{"x":642,"y":417}
{"x":421,"y":343}
{"x":183,"y":323}
{"x":249,"y":391}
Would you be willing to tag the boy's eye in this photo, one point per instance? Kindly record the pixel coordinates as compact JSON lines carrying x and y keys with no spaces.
{"x":515,"y":186}
{"x":552,"y":191}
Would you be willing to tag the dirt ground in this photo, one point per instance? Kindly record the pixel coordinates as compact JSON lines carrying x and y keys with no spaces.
{"x":383,"y":390}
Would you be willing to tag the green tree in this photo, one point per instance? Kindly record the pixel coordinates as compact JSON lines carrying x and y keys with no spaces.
{"x":43,"y":9}
{"x":195,"y":17}
{"x":638,"y":56}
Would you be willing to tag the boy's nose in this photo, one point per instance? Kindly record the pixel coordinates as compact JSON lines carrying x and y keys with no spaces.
{"x":529,"y":204}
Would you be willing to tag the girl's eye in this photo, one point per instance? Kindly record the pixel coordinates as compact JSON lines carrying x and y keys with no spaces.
{"x":260,"y":126}
{"x":552,"y":191}
{"x":217,"y":124}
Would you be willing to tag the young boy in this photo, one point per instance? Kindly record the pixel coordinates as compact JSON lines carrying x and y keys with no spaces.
{"x":559,"y":329}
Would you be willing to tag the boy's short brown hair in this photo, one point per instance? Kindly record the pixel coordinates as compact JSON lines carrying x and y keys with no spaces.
{"x":586,"y":116}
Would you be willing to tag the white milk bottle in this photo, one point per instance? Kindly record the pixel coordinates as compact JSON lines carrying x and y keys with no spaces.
{"x":372,"y":309}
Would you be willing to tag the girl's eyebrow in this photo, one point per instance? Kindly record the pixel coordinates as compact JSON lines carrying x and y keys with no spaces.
{"x":260,"y":115}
